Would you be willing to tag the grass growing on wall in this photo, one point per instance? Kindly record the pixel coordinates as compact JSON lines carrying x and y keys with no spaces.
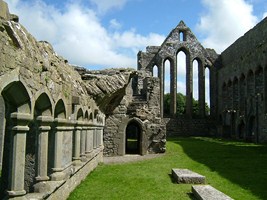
{"x":235,"y":168}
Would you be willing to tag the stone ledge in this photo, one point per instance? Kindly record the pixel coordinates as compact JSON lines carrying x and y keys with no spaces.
{"x":188,"y":177}
{"x":207,"y":192}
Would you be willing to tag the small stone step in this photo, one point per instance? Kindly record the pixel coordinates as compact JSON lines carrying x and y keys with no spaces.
{"x":188,"y":177}
{"x":207,"y":192}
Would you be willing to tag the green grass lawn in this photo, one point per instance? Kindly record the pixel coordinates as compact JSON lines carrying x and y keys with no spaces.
{"x":235,"y":168}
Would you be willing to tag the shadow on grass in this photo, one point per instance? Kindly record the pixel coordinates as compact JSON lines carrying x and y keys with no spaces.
{"x":241,"y":163}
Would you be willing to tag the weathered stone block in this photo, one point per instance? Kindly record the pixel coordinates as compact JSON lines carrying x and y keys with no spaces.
{"x":187,"y":176}
{"x":207,"y":192}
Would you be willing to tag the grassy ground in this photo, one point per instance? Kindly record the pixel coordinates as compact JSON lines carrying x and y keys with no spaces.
{"x":237,"y":169}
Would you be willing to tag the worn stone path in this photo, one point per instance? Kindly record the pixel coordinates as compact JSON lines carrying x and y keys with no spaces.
{"x":129,"y":158}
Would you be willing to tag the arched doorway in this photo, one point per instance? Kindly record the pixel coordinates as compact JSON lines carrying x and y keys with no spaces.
{"x":133,"y":138}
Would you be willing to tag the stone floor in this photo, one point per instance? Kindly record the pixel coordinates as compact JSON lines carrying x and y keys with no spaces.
{"x":129,"y":158}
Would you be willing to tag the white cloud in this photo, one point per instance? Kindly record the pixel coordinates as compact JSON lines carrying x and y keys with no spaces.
{"x":77,"y":34}
{"x":104,"y":6}
{"x":225,"y":21}
{"x":264,"y":15}
{"x":114,"y":24}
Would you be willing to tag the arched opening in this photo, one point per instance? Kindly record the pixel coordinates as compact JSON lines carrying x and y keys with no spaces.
{"x":35,"y":154}
{"x":155,"y":71}
{"x":207,"y":91}
{"x":195,"y":89}
{"x":60,"y":111}
{"x":181,"y":36}
{"x":16,"y":99}
{"x":133,"y":138}
{"x":195,"y":80}
{"x":181,"y":83}
{"x":166,"y":86}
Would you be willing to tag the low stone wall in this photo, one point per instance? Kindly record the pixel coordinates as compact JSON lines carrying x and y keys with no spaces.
{"x":190,"y":127}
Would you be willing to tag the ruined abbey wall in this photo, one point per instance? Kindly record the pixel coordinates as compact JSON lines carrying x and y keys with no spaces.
{"x":51,"y":128}
{"x":242,"y":86}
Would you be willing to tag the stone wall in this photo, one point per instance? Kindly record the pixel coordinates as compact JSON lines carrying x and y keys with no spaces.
{"x":190,"y":127}
{"x":242,"y":86}
{"x":51,"y":127}
{"x":123,"y":106}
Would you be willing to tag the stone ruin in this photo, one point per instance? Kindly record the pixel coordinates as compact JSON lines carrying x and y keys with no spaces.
{"x":58,"y":120}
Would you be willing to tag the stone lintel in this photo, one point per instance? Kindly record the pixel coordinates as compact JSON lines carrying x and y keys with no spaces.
{"x":21,"y":116}
{"x":207,"y":192}
{"x":188,"y":177}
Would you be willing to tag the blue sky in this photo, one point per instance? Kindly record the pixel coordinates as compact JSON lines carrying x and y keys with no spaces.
{"x":109,"y":33}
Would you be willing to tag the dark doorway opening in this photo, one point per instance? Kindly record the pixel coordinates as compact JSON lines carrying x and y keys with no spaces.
{"x":133,"y":135}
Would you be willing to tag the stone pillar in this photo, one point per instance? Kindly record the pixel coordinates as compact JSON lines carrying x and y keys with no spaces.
{"x":201,"y":89}
{"x":58,"y":173}
{"x":173,"y":89}
{"x":162,"y":89}
{"x":94,"y":139}
{"x":77,"y":145}
{"x":83,"y":143}
{"x":189,"y":86}
{"x":89,"y":140}
{"x":19,"y":132}
{"x":44,"y":129}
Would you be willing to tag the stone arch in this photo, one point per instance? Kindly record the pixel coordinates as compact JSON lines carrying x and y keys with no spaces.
{"x":60,"y":109}
{"x":133,"y":136}
{"x":184,"y":78}
{"x":36,"y":155}
{"x":91,"y":117}
{"x":86,"y":116}
{"x":16,"y":107}
{"x":79,"y":115}
{"x":207,"y":87}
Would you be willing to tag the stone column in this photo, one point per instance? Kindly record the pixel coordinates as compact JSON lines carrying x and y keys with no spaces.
{"x":83,"y":143}
{"x":58,"y":173}
{"x":19,"y":132}
{"x":94,"y":139}
{"x":189,"y":86}
{"x":201,"y":90}
{"x":173,"y":88}
{"x":89,"y":140}
{"x":77,"y":145}
{"x":44,"y":129}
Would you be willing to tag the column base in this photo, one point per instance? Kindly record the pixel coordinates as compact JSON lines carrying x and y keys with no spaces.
{"x":77,"y":162}
{"x":58,"y":176}
{"x":42,"y":187}
{"x":13,"y":194}
{"x":41,"y":178}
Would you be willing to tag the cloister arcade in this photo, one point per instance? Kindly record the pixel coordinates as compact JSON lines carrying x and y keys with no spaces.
{"x":44,"y":140}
